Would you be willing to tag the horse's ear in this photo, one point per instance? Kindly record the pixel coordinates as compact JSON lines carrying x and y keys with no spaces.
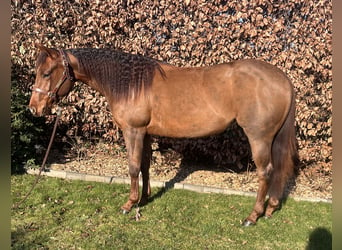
{"x":51,"y":52}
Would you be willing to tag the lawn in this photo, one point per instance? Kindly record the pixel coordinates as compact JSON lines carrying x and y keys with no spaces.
{"x":85,"y":215}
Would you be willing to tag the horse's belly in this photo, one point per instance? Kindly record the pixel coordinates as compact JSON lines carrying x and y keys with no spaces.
{"x":187,"y":126}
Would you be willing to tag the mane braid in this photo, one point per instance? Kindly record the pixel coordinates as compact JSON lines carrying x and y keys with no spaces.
{"x":125,"y":74}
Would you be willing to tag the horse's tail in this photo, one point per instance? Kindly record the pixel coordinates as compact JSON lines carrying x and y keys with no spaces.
{"x":285,"y":157}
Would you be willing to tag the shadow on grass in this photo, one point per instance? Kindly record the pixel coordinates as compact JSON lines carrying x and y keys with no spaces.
{"x":185,"y":171}
{"x":320,"y":238}
{"x":187,"y":167}
{"x":16,"y":235}
{"x":19,"y":240}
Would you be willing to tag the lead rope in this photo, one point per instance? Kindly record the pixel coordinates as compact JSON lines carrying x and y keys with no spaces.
{"x":58,"y":114}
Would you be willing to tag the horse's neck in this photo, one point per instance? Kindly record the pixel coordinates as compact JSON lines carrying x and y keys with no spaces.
{"x":92,"y":83}
{"x":84,"y":77}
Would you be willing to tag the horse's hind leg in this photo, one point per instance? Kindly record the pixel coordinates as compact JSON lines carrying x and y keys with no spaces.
{"x":261,"y":152}
{"x":276,"y":190}
{"x":145,"y":166}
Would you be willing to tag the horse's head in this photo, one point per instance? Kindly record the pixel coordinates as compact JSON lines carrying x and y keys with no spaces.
{"x":54,"y":79}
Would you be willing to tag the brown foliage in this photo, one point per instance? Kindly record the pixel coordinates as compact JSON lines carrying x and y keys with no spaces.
{"x":294,"y":35}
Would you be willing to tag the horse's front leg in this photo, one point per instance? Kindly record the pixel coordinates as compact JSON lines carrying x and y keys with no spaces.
{"x":145,"y":167}
{"x":134,"y":139}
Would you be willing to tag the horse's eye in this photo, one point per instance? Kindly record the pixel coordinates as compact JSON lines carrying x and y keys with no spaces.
{"x":46,"y":75}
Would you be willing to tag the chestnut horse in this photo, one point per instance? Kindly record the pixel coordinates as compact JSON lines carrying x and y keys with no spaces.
{"x":148,"y":97}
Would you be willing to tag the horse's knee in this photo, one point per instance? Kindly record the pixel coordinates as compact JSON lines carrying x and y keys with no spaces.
{"x":133,"y":171}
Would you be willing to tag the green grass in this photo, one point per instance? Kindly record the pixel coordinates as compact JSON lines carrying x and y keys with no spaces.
{"x":85,"y":215}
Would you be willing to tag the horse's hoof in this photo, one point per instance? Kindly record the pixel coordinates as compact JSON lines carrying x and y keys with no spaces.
{"x":248,"y":223}
{"x":124,"y":211}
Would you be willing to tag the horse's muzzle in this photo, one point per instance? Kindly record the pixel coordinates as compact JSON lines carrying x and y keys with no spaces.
{"x":32,"y":110}
{"x":35,"y":112}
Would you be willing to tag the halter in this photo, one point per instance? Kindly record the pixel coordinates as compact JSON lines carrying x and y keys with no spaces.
{"x":67,"y":74}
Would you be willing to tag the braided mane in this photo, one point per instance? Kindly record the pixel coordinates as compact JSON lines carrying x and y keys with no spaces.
{"x":126,"y":74}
